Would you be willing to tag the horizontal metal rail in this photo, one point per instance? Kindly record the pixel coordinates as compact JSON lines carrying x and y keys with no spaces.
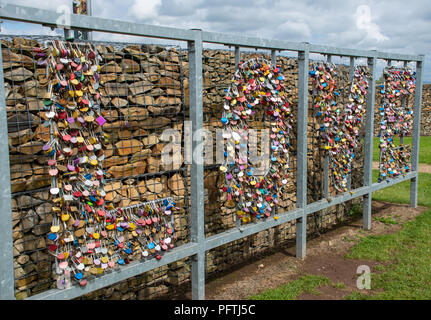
{"x":250,"y":229}
{"x":91,"y":23}
{"x":334,"y":200}
{"x":251,"y":42}
{"x":198,"y":244}
{"x":125,"y":272}
{"x":136,"y":268}
{"x":344,"y":52}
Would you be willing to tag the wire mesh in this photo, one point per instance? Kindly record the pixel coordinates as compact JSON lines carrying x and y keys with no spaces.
{"x":145,"y":91}
{"x":171,"y":281}
{"x":142,"y":88}
{"x":219,"y":69}
{"x":322,"y":220}
{"x":236,"y":253}
{"x":395,"y":120}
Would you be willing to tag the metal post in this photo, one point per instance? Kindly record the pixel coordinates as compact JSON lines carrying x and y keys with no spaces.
{"x":85,"y":35}
{"x":351,"y":73}
{"x":301,"y":191}
{"x":237,"y":56}
{"x":68,"y":35}
{"x":416,"y":134}
{"x":326,"y":160}
{"x":403,"y":105}
{"x":326,"y":176}
{"x":237,"y":60}
{"x":368,"y":150}
{"x":351,"y":68}
{"x":197,"y":228}
{"x":89,"y":13}
{"x":273,"y":58}
{"x":7,"y":277}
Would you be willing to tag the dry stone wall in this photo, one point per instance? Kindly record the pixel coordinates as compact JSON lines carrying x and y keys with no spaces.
{"x":425,"y":115}
{"x":426,"y":111}
{"x":145,"y":91}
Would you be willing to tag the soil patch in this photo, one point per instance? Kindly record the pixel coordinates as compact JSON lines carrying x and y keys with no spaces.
{"x":325,"y":256}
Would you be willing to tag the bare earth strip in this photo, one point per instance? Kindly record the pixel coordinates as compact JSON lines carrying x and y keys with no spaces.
{"x":325,"y":256}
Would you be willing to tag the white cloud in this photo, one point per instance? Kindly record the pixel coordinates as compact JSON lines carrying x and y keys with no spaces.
{"x":298,"y":30}
{"x":363,"y":22}
{"x":145,"y":9}
{"x":46,"y":4}
{"x":392,"y":26}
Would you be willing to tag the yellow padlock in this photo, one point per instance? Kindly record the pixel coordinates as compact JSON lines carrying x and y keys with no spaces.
{"x":89,"y":118}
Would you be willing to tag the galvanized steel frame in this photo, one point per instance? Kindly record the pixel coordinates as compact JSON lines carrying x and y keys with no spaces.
{"x":198,"y":245}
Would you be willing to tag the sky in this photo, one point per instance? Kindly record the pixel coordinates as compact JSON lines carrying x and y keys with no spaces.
{"x":391,"y":26}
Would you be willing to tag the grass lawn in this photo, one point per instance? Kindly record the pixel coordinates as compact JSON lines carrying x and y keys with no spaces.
{"x":405,"y":272}
{"x":293,"y":289}
{"x":406,"y":254}
{"x":400,"y":193}
{"x":425,"y":148}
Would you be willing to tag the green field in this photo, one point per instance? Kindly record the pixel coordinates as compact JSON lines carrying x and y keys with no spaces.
{"x":405,"y":256}
{"x":424,"y":147}
{"x":305,"y":284}
{"x":405,"y":271}
{"x":400,"y":193}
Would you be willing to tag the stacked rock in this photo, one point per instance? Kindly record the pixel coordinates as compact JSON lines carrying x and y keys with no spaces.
{"x":339,"y":124}
{"x":29,"y":102}
{"x":395,"y":119}
{"x":256,"y":190}
{"x":87,"y":235}
{"x":144,"y":89}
